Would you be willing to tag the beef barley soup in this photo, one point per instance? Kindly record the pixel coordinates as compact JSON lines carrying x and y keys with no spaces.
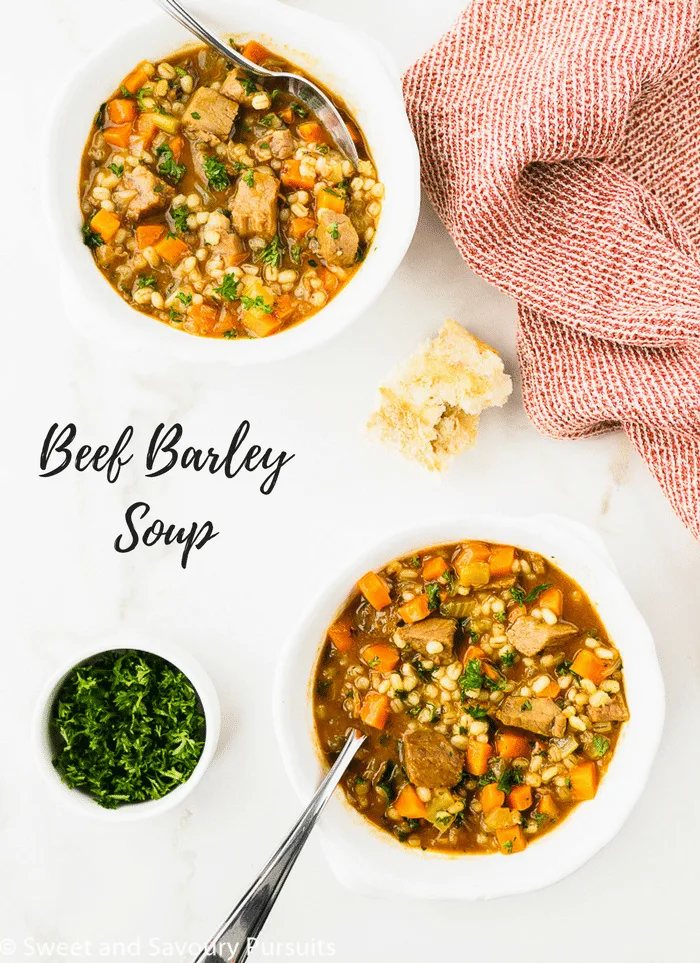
{"x":218,"y":203}
{"x":490,"y":693}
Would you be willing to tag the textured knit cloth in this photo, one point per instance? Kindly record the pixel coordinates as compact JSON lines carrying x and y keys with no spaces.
{"x":560,"y":144}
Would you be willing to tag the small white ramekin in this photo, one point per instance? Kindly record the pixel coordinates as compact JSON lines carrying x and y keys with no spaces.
{"x":349,"y":63}
{"x":44,"y":747}
{"x":370,"y":860}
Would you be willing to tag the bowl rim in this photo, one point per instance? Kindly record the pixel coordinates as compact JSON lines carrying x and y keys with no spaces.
{"x":89,"y":299}
{"x":369,"y":860}
{"x":41,"y":741}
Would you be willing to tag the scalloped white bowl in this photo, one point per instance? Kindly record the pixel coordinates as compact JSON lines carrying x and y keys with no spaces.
{"x":371,"y":861}
{"x":349,"y":63}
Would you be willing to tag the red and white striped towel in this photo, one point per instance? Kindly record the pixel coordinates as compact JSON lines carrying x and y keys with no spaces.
{"x":560,"y":143}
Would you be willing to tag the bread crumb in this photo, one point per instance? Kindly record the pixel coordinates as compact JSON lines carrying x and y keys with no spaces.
{"x":431,"y":404}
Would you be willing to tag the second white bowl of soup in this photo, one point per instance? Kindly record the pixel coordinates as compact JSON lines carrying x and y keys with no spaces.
{"x":388,"y":853}
{"x":254,"y":303}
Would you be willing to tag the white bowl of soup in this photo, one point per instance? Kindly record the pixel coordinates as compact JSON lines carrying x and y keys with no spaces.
{"x":512,"y":699}
{"x":147,"y":114}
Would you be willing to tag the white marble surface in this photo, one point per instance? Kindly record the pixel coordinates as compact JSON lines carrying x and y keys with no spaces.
{"x":171,"y":880}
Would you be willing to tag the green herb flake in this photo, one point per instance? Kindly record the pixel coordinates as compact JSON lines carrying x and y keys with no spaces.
{"x":145,"y":281}
{"x":298,"y":110}
{"x":600,"y":745}
{"x":91,"y":238}
{"x":167,"y":166}
{"x":100,"y":117}
{"x":231,"y":333}
{"x":117,"y":169}
{"x":526,"y":706}
{"x":295,"y":253}
{"x":179,"y":216}
{"x":432,"y":590}
{"x":217,"y":176}
{"x":228,"y":289}
{"x":256,"y":304}
{"x":185,"y":298}
{"x":472,"y":677}
{"x":195,"y":115}
{"x":507,"y":659}
{"x":333,"y":231}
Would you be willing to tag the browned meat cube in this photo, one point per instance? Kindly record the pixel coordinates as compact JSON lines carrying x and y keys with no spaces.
{"x":209,"y":116}
{"x":419,"y":634}
{"x":240,"y":86}
{"x":529,"y":636}
{"x":538,"y":715}
{"x":430,"y":760}
{"x":152,"y":193}
{"x":337,"y":238}
{"x":614,"y":711}
{"x":254,"y":208}
{"x":281,"y":143}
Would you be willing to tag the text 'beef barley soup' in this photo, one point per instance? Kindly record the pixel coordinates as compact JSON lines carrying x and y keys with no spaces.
{"x":490,"y":694}
{"x":218,"y":203}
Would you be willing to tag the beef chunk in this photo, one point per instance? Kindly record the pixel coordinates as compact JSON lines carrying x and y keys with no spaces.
{"x":614,"y":711}
{"x":209,"y":116}
{"x":538,"y":715}
{"x":529,"y":636}
{"x":281,"y":143}
{"x":254,"y":209}
{"x":337,"y":238}
{"x":152,"y":193}
{"x":418,"y":634}
{"x":430,"y":760}
{"x":240,"y":86}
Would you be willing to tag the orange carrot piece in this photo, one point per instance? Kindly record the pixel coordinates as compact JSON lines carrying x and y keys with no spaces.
{"x":171,"y":249}
{"x":491,"y":797}
{"x":353,"y":131}
{"x":516,"y":613}
{"x":329,"y":200}
{"x":551,"y":692}
{"x":474,"y":652}
{"x":478,"y":755}
{"x":501,"y":560}
{"x":374,"y":590}
{"x":589,"y":666}
{"x":480,"y":551}
{"x":311,"y":131}
{"x":292,"y":177}
{"x":287,"y":115}
{"x":121,"y":110}
{"x":520,"y":798}
{"x":145,"y":129}
{"x":409,"y":805}
{"x":148,"y":234}
{"x":415,"y":610}
{"x":255,"y":51}
{"x":204,"y":316}
{"x":260,"y":324}
{"x":285,"y":307}
{"x":341,"y":635}
{"x":383,"y":658}
{"x":552,"y":599}
{"x":300,"y":226}
{"x":510,"y":744}
{"x":329,"y":280}
{"x":136,"y":80}
{"x":434,"y":568}
{"x":118,"y":136}
{"x":511,"y":840}
{"x":547,"y":807}
{"x":584,"y":780}
{"x":375,"y":709}
{"x":177,"y":144}
{"x":106,"y":224}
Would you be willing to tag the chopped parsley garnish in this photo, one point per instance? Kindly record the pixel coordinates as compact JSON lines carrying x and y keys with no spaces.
{"x":361,"y":252}
{"x":175,"y":317}
{"x":269,"y":120}
{"x":249,"y":179}
{"x":477,"y":712}
{"x":217,"y":175}
{"x":333,"y":231}
{"x":181,"y":72}
{"x":117,"y":169}
{"x":472,"y":677}
{"x":526,"y":706}
{"x":231,"y":333}
{"x":257,"y":304}
{"x":425,"y":675}
{"x":264,"y":146}
{"x":196,"y":115}
{"x":248,"y":85}
{"x":128,"y":727}
{"x":228,"y":289}
{"x":373,"y":663}
{"x":414,"y":562}
{"x":185,"y":298}
{"x":180,"y":215}
{"x":432,"y":590}
{"x":313,"y":263}
{"x":167,"y":165}
{"x":540,"y":818}
{"x":272,"y":253}
{"x":520,"y":596}
{"x":322,"y":148}
{"x":507,"y":658}
{"x":500,"y":616}
{"x":508,"y":845}
{"x":125,"y":92}
{"x":91,"y":238}
{"x":143,"y":92}
{"x":100,"y":117}
{"x":601,"y":745}
{"x":509,"y":778}
{"x":295,"y":253}
{"x":145,"y":281}
{"x":563,"y":667}
{"x":298,"y":110}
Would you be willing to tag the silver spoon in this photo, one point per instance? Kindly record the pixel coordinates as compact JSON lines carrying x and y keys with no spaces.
{"x":297,"y":86}
{"x":232,"y":941}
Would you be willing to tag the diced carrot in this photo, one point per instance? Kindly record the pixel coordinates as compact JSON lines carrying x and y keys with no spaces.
{"x":329,"y":280}
{"x":292,"y":177}
{"x":547,"y":806}
{"x":551,"y":692}
{"x":511,"y":840}
{"x":287,"y":115}
{"x":480,"y":551}
{"x":145,"y":129}
{"x":501,"y":560}
{"x":340,"y":634}
{"x":136,"y":80}
{"x":118,"y":136}
{"x":285,"y":307}
{"x":177,"y":144}
{"x":375,"y":709}
{"x":520,"y":798}
{"x":490,"y":671}
{"x":106,"y":224}
{"x":516,"y":613}
{"x":262,"y":324}
{"x":478,"y":755}
{"x":121,"y":110}
{"x":408,"y":804}
{"x":148,"y":234}
{"x":491,"y":797}
{"x":415,"y":610}
{"x":584,"y":780}
{"x":434,"y":568}
{"x":204,"y":316}
{"x":300,"y":226}
{"x":255,"y":51}
{"x":510,"y":744}
{"x":474,"y":652}
{"x":374,"y":590}
{"x":552,"y":599}
{"x":330,"y":200}
{"x":589,"y":666}
{"x":383,"y":658}
{"x":354,"y":132}
{"x":311,"y":131}
{"x":171,"y":249}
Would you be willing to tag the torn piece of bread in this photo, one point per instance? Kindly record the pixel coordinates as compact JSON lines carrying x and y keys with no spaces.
{"x":431,"y":405}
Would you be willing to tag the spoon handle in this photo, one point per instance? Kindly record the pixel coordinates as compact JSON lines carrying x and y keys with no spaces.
{"x":236,"y":936}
